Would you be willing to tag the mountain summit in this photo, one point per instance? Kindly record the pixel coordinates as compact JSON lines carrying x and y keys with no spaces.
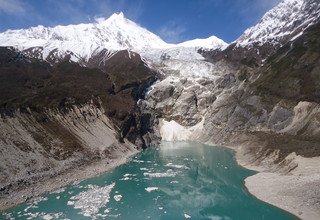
{"x":114,"y":33}
{"x":127,"y":89}
{"x":287,"y":20}
{"x":82,"y":41}
{"x":210,"y":42}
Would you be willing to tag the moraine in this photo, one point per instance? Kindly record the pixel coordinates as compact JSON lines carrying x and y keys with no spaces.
{"x":177,"y":180}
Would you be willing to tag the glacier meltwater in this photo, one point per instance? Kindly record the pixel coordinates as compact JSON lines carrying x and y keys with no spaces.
{"x":177,"y":180}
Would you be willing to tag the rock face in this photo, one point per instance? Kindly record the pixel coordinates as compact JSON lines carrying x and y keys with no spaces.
{"x":56,"y":118}
{"x":259,"y":94}
{"x":276,"y":100}
{"x":283,"y":23}
{"x":130,"y":78}
{"x":267,"y":109}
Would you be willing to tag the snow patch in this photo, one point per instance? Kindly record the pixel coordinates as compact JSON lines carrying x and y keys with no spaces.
{"x":82,"y":41}
{"x":298,"y":35}
{"x":281,"y":21}
{"x":209,"y":43}
{"x":172,"y":131}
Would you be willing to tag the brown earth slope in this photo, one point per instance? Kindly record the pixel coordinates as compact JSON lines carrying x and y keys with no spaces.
{"x":55,"y":118}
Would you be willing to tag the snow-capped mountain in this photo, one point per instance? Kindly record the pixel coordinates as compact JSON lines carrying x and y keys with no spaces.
{"x":83,"y":41}
{"x":114,"y":33}
{"x":208,"y":43}
{"x":285,"y":21}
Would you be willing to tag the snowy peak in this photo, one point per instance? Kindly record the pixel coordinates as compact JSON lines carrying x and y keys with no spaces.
{"x":284,"y":21}
{"x":208,"y":43}
{"x":84,"y":40}
{"x":116,"y":19}
{"x":117,"y":16}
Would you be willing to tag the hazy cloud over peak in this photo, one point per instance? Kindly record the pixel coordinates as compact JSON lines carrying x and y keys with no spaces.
{"x":13,"y":7}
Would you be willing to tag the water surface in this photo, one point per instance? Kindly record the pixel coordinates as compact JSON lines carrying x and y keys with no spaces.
{"x":175,"y":181}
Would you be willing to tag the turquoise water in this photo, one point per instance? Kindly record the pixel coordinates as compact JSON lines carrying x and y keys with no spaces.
{"x":174,"y":181}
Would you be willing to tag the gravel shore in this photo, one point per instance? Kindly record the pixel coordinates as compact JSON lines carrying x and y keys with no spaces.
{"x":61,"y":180}
{"x":297,"y":191}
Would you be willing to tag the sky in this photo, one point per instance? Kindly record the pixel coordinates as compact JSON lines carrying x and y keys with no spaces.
{"x":173,"y":20}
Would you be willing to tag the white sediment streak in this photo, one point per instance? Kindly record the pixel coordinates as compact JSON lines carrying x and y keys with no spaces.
{"x":138,"y":161}
{"x":150,"y":189}
{"x":169,"y":173}
{"x":144,"y":169}
{"x":177,"y":166}
{"x":129,"y":174}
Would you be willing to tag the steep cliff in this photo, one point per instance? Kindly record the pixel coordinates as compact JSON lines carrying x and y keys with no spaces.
{"x":89,"y":100}
{"x":268,"y":112}
{"x":56,"y":118}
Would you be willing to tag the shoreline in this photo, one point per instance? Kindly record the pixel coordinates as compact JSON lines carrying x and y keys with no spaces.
{"x":61,"y":180}
{"x":297,"y":191}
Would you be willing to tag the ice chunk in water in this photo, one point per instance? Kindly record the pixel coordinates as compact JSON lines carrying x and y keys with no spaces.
{"x":92,"y":200}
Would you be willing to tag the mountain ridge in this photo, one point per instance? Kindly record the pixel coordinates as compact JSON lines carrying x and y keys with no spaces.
{"x":286,"y":20}
{"x":263,"y":101}
{"x":82,"y":41}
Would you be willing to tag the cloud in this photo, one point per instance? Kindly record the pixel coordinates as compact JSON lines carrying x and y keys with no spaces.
{"x":78,"y":11}
{"x":13,"y":7}
{"x":172,"y":32}
{"x":245,"y":8}
{"x":266,"y":4}
{"x":71,"y":10}
{"x":132,"y":10}
{"x":249,"y":10}
{"x":135,"y":12}
{"x":27,"y":13}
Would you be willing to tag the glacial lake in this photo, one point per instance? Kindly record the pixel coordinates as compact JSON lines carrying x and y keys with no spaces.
{"x":175,"y":181}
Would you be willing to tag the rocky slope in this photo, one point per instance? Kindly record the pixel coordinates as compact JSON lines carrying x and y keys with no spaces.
{"x":251,"y":100}
{"x":258,"y":95}
{"x":283,"y":23}
{"x":279,"y":98}
{"x":70,"y":97}
{"x":58,"y":118}
{"x":267,"y":110}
